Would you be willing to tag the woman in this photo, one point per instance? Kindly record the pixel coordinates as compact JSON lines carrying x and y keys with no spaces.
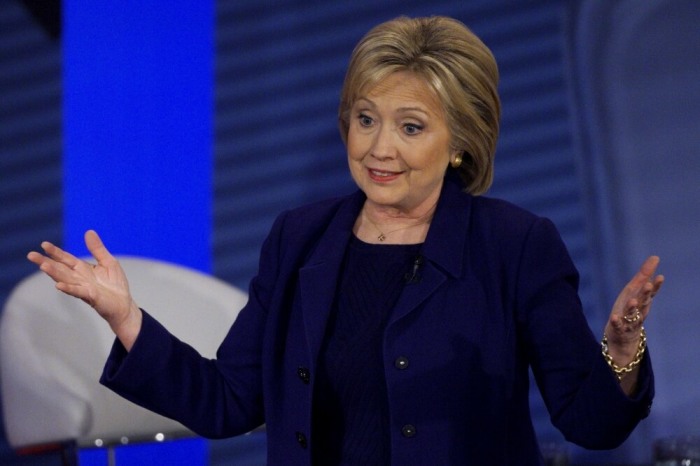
{"x":396,"y":325}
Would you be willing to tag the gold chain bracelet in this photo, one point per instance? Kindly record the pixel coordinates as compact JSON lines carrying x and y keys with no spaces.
{"x":621,"y":371}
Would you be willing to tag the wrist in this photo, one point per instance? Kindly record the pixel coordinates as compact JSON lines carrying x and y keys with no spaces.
{"x":621,"y":363}
{"x":128,"y":328}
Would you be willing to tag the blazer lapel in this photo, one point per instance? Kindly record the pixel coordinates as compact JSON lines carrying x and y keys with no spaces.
{"x":413,"y":294}
{"x":318,"y":278}
{"x":443,"y":250}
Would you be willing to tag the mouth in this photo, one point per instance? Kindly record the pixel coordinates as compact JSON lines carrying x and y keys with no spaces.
{"x":382,"y":175}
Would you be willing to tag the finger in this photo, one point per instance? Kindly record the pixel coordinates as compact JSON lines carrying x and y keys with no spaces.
{"x":643,"y":286}
{"x":633,"y":288}
{"x":649,"y":290}
{"x":76,"y":291}
{"x":59,"y":255}
{"x":36,"y":258}
{"x":620,"y":331}
{"x":627,"y":326}
{"x":658,"y":281}
{"x":96,"y":247}
{"x":646,"y":296}
{"x":633,"y":315}
{"x":646,"y":271}
{"x":616,"y":322}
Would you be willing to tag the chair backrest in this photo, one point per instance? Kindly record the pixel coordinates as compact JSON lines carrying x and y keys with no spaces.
{"x":53,"y":348}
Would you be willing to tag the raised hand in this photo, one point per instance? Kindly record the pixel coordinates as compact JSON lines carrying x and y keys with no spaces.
{"x":103,"y":286}
{"x":623,"y":330}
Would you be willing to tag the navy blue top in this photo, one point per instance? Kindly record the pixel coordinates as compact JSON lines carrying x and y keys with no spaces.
{"x":351,"y":416}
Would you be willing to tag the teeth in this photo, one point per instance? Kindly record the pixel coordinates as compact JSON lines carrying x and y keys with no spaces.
{"x":378,"y":173}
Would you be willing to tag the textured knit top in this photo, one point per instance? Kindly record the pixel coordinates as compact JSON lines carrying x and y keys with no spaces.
{"x":351,"y":414}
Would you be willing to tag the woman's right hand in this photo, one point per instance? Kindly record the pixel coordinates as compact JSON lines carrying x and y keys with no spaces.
{"x":103,"y":286}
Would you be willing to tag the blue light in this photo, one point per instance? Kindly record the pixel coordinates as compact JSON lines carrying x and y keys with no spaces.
{"x":138,"y":111}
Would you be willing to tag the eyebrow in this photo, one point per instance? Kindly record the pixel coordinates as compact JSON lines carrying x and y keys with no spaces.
{"x":399,"y":110}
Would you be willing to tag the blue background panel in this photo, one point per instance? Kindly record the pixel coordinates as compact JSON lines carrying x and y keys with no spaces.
{"x":138,"y":104}
{"x":190,"y":452}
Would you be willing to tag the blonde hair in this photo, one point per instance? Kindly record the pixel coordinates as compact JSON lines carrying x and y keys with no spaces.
{"x":456,"y":65}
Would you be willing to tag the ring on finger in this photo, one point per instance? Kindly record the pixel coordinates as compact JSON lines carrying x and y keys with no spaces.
{"x":633,"y":317}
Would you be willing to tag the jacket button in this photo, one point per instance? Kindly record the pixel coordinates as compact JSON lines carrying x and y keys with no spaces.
{"x":401,"y":363}
{"x":408,"y":430}
{"x":304,"y":374}
{"x":301,"y":439}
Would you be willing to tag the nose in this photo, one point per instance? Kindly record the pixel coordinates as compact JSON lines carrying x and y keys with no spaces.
{"x":384,"y":146}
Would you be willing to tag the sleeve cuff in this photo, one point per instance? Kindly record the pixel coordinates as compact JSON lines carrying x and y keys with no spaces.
{"x":125,"y":371}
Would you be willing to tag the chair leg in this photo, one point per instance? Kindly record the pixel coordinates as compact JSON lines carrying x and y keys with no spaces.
{"x":69,"y":454}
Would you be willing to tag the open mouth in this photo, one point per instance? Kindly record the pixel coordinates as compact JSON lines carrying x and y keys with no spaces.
{"x":382,"y":174}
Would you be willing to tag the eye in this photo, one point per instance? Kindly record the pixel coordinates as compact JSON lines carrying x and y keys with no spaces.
{"x":364,"y":120}
{"x":412,"y":128}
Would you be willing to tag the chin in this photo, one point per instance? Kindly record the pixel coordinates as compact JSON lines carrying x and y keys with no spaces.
{"x":385,"y":202}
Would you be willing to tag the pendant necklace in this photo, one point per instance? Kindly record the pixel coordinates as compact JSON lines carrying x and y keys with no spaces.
{"x":382,"y":235}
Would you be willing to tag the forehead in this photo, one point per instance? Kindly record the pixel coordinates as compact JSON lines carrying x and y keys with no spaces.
{"x":404,"y":88}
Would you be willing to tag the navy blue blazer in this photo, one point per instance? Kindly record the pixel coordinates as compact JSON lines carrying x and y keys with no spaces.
{"x":496,"y":294}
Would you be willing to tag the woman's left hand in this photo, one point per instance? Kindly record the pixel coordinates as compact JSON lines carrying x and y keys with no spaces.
{"x":631,"y":309}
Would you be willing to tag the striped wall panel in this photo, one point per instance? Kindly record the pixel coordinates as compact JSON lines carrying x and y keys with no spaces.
{"x":30,"y":141}
{"x":30,"y":146}
{"x":279,"y":70}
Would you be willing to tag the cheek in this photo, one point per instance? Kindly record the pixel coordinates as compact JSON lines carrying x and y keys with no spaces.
{"x":429,"y":160}
{"x":354,"y":147}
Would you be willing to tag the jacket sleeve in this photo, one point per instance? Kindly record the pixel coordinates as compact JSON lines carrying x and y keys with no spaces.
{"x":214,"y":398}
{"x":581,"y":393}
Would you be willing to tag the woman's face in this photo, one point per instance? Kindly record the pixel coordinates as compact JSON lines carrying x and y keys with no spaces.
{"x":399,"y":144}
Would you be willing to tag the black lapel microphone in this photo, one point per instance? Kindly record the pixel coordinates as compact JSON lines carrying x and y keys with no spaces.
{"x":413,"y":276}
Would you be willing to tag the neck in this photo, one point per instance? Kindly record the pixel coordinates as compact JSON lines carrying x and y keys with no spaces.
{"x":395,"y":216}
{"x":379,"y":226}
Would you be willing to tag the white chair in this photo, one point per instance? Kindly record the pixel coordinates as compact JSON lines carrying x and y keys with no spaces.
{"x":53,"y":348}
